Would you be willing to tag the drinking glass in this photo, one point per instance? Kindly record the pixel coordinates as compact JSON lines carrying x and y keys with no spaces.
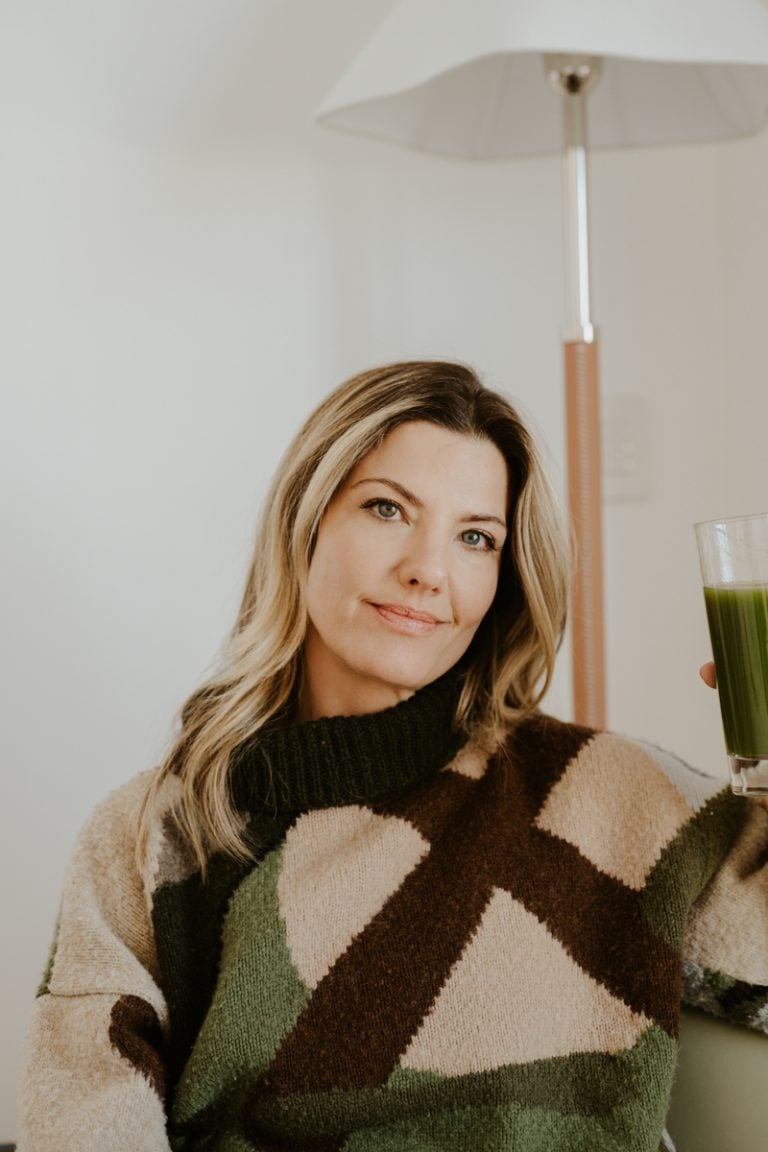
{"x":734,"y":568}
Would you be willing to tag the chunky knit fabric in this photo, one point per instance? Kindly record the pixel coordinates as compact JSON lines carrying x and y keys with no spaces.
{"x":436,"y":948}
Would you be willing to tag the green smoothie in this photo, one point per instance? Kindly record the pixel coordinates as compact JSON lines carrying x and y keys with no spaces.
{"x":738,"y":625}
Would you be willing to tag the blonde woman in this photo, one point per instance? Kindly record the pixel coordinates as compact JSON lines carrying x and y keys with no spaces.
{"x":375,"y":899}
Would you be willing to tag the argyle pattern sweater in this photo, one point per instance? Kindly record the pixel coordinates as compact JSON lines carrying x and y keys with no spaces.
{"x":435,"y":948}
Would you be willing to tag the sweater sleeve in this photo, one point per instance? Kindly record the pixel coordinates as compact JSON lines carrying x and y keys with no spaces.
{"x":725,"y":966}
{"x":722,"y":863}
{"x":94,"y":1069}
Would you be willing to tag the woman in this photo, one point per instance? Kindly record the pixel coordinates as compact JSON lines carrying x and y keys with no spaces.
{"x":377,"y":900}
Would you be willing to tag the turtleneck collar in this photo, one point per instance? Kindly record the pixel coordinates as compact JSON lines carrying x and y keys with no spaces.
{"x":350,"y":759}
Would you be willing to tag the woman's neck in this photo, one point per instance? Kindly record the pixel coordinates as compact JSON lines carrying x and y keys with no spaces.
{"x":330,"y":687}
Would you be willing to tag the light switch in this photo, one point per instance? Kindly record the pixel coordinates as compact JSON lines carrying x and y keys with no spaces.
{"x":626,"y":448}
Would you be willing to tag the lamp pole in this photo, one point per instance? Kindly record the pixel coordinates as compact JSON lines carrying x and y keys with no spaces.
{"x":573,"y":77}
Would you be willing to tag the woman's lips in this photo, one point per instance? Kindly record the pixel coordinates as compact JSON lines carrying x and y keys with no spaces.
{"x":407,"y":620}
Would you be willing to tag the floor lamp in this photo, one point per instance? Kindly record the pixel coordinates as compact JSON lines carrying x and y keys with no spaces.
{"x":466,"y":78}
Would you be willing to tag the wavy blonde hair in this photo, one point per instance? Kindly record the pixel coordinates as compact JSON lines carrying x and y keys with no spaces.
{"x":511,"y":658}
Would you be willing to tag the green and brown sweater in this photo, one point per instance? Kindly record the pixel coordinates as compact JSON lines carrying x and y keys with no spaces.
{"x":434,"y":949}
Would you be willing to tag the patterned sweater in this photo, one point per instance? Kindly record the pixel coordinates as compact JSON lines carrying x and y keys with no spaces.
{"x":435,"y":948}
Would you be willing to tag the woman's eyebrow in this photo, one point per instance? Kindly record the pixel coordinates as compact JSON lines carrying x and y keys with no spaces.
{"x":406,"y":493}
{"x":483,"y":517}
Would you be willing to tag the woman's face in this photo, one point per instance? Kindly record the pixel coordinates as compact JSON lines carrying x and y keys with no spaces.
{"x":405,"y":567}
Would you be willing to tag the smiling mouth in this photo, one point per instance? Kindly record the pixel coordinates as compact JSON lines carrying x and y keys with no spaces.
{"x":407,"y":620}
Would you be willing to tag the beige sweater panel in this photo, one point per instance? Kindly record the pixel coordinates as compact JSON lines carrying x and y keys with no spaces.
{"x":80,"y":1093}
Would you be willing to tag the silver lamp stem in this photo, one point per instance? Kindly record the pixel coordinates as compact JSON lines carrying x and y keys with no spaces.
{"x":578,"y":325}
{"x":574,"y":77}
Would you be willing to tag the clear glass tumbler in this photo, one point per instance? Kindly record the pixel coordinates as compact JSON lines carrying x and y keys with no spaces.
{"x":734,"y":567}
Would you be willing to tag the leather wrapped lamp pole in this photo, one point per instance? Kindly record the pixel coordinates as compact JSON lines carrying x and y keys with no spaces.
{"x":464,"y":78}
{"x":574,"y":78}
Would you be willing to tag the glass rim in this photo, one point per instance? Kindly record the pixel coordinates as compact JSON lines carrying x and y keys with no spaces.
{"x":730,"y":520}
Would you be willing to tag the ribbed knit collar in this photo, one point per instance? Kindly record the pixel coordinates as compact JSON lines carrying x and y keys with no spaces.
{"x":350,"y":759}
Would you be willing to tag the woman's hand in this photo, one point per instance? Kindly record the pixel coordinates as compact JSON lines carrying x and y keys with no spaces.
{"x":707,"y":673}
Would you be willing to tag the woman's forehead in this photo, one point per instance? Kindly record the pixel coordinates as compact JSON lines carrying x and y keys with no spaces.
{"x":431,"y":460}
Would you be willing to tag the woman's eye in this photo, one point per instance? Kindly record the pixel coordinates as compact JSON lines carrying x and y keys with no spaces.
{"x":479,"y":540}
{"x":384,"y":509}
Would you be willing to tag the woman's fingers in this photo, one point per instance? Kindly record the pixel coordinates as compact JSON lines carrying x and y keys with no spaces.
{"x":707,"y":673}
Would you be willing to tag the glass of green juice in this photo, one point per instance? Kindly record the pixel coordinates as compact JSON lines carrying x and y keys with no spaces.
{"x":734,"y":566}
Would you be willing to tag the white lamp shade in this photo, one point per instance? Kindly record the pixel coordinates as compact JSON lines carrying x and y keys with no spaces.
{"x":464,"y":77}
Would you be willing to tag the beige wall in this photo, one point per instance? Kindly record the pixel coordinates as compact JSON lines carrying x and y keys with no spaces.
{"x":188,"y":266}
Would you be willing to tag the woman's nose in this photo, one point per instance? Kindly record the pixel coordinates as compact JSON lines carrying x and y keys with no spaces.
{"x":423,"y":566}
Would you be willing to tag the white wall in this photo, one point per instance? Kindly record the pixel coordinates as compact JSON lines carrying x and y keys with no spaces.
{"x":188,"y":265}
